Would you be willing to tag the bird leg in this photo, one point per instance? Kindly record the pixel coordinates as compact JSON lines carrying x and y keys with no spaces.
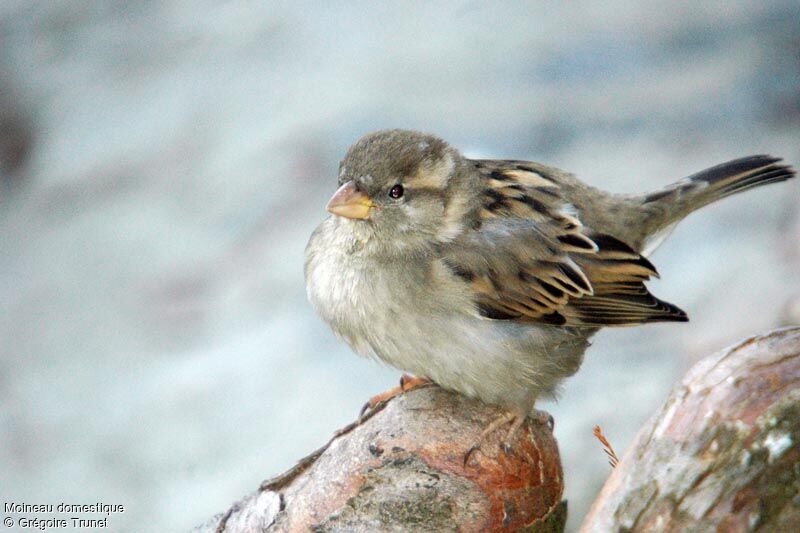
{"x":515,"y":419}
{"x":407,"y":383}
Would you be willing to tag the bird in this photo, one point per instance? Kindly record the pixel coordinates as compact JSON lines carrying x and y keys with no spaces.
{"x":490,"y":277}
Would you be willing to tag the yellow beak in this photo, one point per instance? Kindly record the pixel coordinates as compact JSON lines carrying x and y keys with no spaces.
{"x":349,"y":202}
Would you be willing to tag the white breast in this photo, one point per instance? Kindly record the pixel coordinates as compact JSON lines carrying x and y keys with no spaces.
{"x":338,"y":285}
{"x":402,"y":315}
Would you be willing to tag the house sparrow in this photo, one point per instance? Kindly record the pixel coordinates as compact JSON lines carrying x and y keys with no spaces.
{"x":489,"y":277}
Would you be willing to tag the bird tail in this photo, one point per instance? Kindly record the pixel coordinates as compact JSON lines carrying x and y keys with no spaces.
{"x":717,"y":182}
{"x":672,"y":203}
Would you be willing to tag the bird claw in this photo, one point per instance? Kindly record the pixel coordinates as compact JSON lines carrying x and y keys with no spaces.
{"x":505,"y":447}
{"x":505,"y":418}
{"x":472,"y":449}
{"x":544,"y":418}
{"x":368,"y":405}
{"x":407,"y":383}
{"x":516,"y":420}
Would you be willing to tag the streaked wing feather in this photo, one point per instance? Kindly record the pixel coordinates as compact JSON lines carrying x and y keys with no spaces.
{"x":531,"y":259}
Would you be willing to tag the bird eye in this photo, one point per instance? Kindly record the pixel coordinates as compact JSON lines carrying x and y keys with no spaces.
{"x":396,"y":191}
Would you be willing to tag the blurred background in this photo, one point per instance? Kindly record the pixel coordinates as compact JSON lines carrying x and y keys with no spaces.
{"x":163,"y":164}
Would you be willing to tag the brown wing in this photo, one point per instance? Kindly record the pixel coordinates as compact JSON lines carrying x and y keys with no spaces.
{"x":532,"y":260}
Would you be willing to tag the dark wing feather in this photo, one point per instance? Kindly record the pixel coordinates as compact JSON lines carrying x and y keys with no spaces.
{"x":531,"y":259}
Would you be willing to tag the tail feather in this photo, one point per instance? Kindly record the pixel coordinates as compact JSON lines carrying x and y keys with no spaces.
{"x":666,"y":207}
{"x":781,"y":173}
{"x":739,"y":175}
{"x":720,"y":181}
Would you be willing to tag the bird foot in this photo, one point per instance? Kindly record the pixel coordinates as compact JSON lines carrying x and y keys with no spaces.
{"x":515,"y":420}
{"x":510,"y":417}
{"x":407,"y":383}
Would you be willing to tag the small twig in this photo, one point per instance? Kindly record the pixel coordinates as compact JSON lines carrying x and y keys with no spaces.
{"x":613,"y":460}
{"x":281,"y":480}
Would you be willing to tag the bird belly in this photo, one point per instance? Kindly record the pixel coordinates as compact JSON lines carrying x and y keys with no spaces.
{"x":498,"y":362}
{"x":396,"y":315}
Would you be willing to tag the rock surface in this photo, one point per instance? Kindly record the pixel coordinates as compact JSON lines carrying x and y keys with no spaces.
{"x":404,"y":469}
{"x":723,"y":453}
